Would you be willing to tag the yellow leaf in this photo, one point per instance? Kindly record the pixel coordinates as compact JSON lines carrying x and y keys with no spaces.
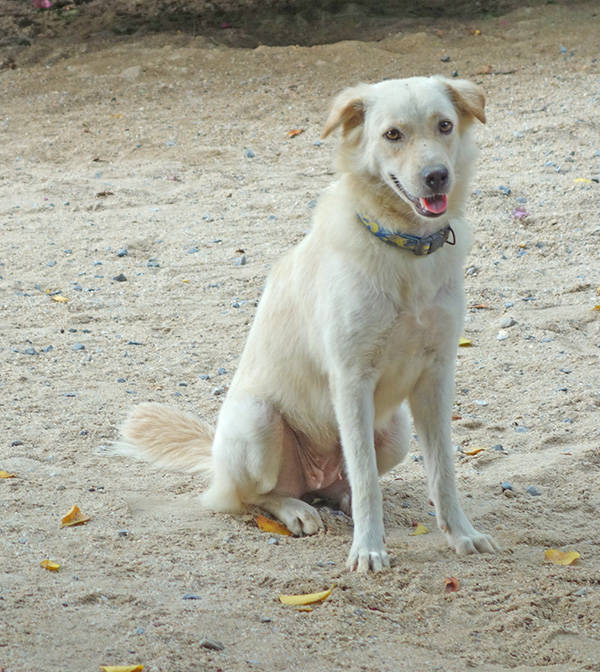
{"x":122,"y":668}
{"x":561,"y":557}
{"x":464,"y":342}
{"x":309,"y":598}
{"x":597,"y":307}
{"x":473,"y":451}
{"x":5,"y":474}
{"x":583,"y":179}
{"x":268,"y":525}
{"x":74,"y":517}
{"x":419,"y":529}
{"x":294,"y":132}
{"x":59,"y":298}
{"x":50,"y":565}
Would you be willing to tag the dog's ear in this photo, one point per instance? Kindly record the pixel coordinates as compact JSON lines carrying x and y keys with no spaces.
{"x":348,"y":110}
{"x":467,"y":97}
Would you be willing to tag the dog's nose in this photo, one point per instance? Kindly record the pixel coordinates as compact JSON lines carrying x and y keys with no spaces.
{"x":435,"y":177}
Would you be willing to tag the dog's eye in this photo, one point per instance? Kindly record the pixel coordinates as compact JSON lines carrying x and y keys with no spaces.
{"x":393,"y":134}
{"x":445,"y":126}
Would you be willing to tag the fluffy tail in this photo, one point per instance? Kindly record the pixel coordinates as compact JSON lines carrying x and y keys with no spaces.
{"x":166,"y":437}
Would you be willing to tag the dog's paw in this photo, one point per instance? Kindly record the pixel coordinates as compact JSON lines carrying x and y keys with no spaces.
{"x":365,"y":558}
{"x":472,"y":542}
{"x":299,"y":517}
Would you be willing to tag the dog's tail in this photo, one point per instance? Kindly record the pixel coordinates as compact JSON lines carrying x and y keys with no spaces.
{"x":166,"y":437}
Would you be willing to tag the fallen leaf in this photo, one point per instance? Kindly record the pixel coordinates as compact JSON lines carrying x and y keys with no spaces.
{"x":486,"y":70}
{"x":308,"y":598}
{"x":479,"y":306}
{"x":586,"y":180}
{"x":457,"y":417}
{"x":267,"y":525}
{"x":419,"y":529}
{"x":561,"y":557}
{"x":596,"y":307}
{"x":473,"y":451}
{"x":5,"y":474}
{"x":74,"y":517}
{"x":451,"y":584}
{"x":294,"y":132}
{"x":475,"y":31}
{"x":104,"y":194}
{"x":464,"y":342}
{"x":122,"y":668}
{"x":59,"y":298}
{"x":50,"y":565}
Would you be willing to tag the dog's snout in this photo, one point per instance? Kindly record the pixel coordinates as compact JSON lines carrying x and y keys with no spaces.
{"x":435,"y":177}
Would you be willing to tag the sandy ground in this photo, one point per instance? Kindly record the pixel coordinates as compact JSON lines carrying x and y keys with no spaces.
{"x":143,"y":144}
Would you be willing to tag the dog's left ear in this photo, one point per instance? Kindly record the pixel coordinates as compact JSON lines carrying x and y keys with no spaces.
{"x":348,"y":110}
{"x":467,"y":97}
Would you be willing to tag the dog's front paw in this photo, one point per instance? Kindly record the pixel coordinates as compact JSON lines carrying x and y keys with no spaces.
{"x":364,"y":558}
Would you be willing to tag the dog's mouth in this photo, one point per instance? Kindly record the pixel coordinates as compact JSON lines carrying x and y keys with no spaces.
{"x":426,"y":206}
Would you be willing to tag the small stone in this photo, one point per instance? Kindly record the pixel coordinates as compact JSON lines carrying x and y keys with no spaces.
{"x":123,"y":533}
{"x":533,"y":491}
{"x":218,"y":391}
{"x":122,"y":252}
{"x":191,"y":596}
{"x":312,"y":204}
{"x":221,"y":371}
{"x":241,"y":261}
{"x":16,"y":442}
{"x":581,"y":592}
{"x":481,"y":402}
{"x":204,"y":376}
{"x":265,"y":619}
{"x":273,"y":541}
{"x":507,"y":191}
{"x":211,"y":644}
{"x":51,"y":264}
{"x":502,"y":335}
{"x":30,"y":351}
{"x":509,"y":493}
{"x":153,"y":263}
{"x":445,"y":59}
{"x":249,"y":154}
{"x":507,"y":323}
{"x":498,"y":447}
{"x":120,"y":278}
{"x":121,"y":380}
{"x":79,"y":346}
{"x":506,"y":485}
{"x":139,"y":631}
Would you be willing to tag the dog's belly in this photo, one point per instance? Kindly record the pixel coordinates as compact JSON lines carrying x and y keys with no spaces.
{"x":306,"y":467}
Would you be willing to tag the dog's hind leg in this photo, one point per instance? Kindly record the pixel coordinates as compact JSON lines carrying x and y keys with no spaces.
{"x":252,"y":447}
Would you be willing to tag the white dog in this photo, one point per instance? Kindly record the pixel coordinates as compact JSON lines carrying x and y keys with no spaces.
{"x":362,"y":316}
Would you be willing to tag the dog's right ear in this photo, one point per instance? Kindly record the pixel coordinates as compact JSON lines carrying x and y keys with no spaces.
{"x":348,"y":110}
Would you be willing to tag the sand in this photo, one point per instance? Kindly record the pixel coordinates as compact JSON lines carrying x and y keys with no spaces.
{"x":176,"y":148}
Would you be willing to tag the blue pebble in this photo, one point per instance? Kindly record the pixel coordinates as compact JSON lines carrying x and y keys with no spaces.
{"x":30,"y":351}
{"x":249,"y":154}
{"x":79,"y":346}
{"x":122,"y":252}
{"x":506,"y":485}
{"x":533,"y":491}
{"x":221,"y":371}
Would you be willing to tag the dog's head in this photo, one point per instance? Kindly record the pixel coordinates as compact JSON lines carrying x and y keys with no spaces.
{"x":412,"y":135}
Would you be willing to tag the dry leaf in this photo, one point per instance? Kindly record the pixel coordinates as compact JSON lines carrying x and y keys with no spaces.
{"x":451,"y":584}
{"x":486,"y":70}
{"x":464,"y":342}
{"x":294,"y":132}
{"x":74,"y":517}
{"x":59,"y":298}
{"x":475,"y":31}
{"x":5,"y":474}
{"x":267,"y":525}
{"x":308,"y":598}
{"x":561,"y":557}
{"x":597,"y":307}
{"x":583,"y":179}
{"x":122,"y":668}
{"x":473,"y":451}
{"x":419,"y":529}
{"x":50,"y":565}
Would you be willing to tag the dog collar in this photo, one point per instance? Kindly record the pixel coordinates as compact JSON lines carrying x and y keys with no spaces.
{"x":419,"y":245}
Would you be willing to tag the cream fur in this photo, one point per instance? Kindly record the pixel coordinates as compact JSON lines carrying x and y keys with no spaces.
{"x":349,"y":333}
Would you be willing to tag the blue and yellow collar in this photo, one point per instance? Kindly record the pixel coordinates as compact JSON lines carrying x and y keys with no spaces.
{"x":419,"y":245}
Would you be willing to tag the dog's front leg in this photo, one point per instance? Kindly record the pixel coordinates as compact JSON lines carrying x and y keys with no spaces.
{"x":353,"y":402}
{"x":431,"y":405}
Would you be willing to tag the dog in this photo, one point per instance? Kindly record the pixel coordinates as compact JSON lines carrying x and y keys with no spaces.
{"x":358,"y":324}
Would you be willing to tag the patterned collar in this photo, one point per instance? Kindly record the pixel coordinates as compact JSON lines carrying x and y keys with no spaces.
{"x":419,"y":245}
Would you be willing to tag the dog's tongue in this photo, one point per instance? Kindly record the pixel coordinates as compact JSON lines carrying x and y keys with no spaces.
{"x":436,"y":204}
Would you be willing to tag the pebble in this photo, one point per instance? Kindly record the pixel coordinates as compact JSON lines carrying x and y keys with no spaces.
{"x":249,"y":154}
{"x":498,"y":447}
{"x":191,"y":596}
{"x":48,"y":348}
{"x":502,"y":335}
{"x":533,"y":491}
{"x":153,"y":263}
{"x":139,"y":631}
{"x":273,"y":541}
{"x":507,"y":191}
{"x":30,"y":351}
{"x":507,"y":323}
{"x":211,"y":644}
{"x":122,"y":252}
{"x":265,"y":619}
{"x":221,"y":371}
{"x":241,"y":261}
{"x":204,"y":376}
{"x":120,"y":278}
{"x":581,"y":592}
{"x":218,"y":391}
{"x":445,"y":59}
{"x":123,"y":533}
{"x":506,"y":485}
{"x":481,"y":402}
{"x":79,"y":346}
{"x":16,"y":442}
